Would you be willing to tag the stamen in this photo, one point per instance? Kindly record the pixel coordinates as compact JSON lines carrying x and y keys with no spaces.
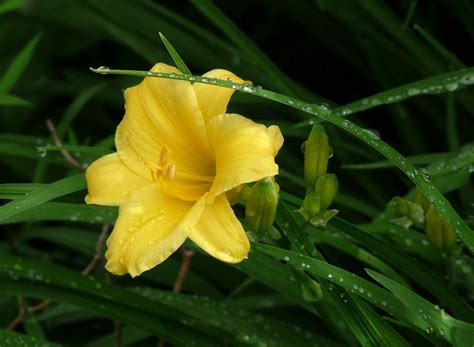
{"x":172,"y":172}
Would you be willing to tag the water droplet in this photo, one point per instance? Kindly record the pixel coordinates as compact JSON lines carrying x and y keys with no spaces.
{"x":425,"y":174}
{"x":452,"y":86}
{"x":303,"y":147}
{"x":308,"y":108}
{"x":468,"y":78}
{"x":286,"y":258}
{"x":346,"y":123}
{"x":331,"y":152}
{"x":373,"y":134}
{"x":103,"y":70}
{"x":330,"y":275}
{"x":413,"y":91}
{"x":346,"y":111}
{"x":325,"y":107}
{"x":249,"y":89}
{"x":42,"y":152}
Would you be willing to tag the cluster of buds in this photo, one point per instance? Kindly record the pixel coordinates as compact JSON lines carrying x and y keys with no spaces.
{"x":321,"y":186}
{"x":421,"y":214}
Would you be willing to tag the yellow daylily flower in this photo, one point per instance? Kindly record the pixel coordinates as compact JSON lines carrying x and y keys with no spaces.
{"x":178,"y":153}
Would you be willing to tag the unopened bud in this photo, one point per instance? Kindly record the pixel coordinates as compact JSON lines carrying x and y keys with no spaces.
{"x":404,"y":212}
{"x":327,"y":186}
{"x":438,"y":230}
{"x":317,"y":152}
{"x":311,"y":204}
{"x":261,"y":206}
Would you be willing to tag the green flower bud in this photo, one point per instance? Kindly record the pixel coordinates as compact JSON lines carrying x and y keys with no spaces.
{"x":326,"y":187}
{"x":316,"y":156}
{"x":261,"y":206}
{"x":311,"y":204}
{"x":438,"y":230}
{"x":404,"y":212}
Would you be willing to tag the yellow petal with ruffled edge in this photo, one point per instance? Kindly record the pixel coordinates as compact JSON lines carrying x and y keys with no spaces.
{"x":164,"y":114}
{"x":110,"y":181}
{"x":213,"y":100}
{"x":245,"y":151}
{"x":220,"y":233}
{"x":150,"y":227}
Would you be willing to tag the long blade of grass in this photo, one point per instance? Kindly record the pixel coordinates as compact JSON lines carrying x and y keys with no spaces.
{"x":367,"y":136}
{"x":46,"y":193}
{"x":13,"y":100}
{"x":180,"y":64}
{"x":18,"y":66}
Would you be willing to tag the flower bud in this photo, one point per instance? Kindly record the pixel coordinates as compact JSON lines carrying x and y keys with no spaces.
{"x":311,"y":204}
{"x":316,"y":156}
{"x":404,"y":212}
{"x":261,"y":206}
{"x":326,"y":187}
{"x":438,"y":230}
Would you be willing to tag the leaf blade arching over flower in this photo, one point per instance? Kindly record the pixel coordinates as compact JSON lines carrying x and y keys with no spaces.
{"x":176,"y":137}
{"x":213,"y":100}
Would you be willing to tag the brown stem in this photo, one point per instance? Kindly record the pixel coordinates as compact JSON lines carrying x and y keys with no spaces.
{"x":20,"y":316}
{"x":118,"y":334}
{"x":183,"y":272}
{"x":57,"y":142}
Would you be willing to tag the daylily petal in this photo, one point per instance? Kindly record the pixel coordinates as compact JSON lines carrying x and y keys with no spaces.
{"x":213,"y":100}
{"x":245,"y":151}
{"x":150,"y":227}
{"x":110,"y":181}
{"x":164,"y":114}
{"x":220,"y":233}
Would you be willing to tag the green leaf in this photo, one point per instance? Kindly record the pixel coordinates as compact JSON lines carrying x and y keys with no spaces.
{"x":457,"y":332}
{"x":12,"y":100}
{"x":46,"y":193}
{"x":61,"y":211}
{"x":175,"y":56}
{"x":10,"y":5}
{"x":13,"y":339}
{"x":16,"y":69}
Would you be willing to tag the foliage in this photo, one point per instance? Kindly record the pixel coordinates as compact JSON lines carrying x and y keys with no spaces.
{"x":391,"y":84}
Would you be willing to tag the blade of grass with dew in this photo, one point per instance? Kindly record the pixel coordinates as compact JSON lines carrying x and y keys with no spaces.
{"x":352,"y":283}
{"x":290,"y":228}
{"x":244,"y":327}
{"x":11,"y":191}
{"x":417,"y":271}
{"x":18,"y":66}
{"x":46,"y":193}
{"x":344,"y":244}
{"x":180,"y":64}
{"x":443,"y":83}
{"x":365,"y":135}
{"x":140,"y":308}
{"x":420,"y":159}
{"x":174,"y":333}
{"x":460,"y":333}
{"x":93,"y":152}
{"x":62,"y":211}
{"x":14,"y":339}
